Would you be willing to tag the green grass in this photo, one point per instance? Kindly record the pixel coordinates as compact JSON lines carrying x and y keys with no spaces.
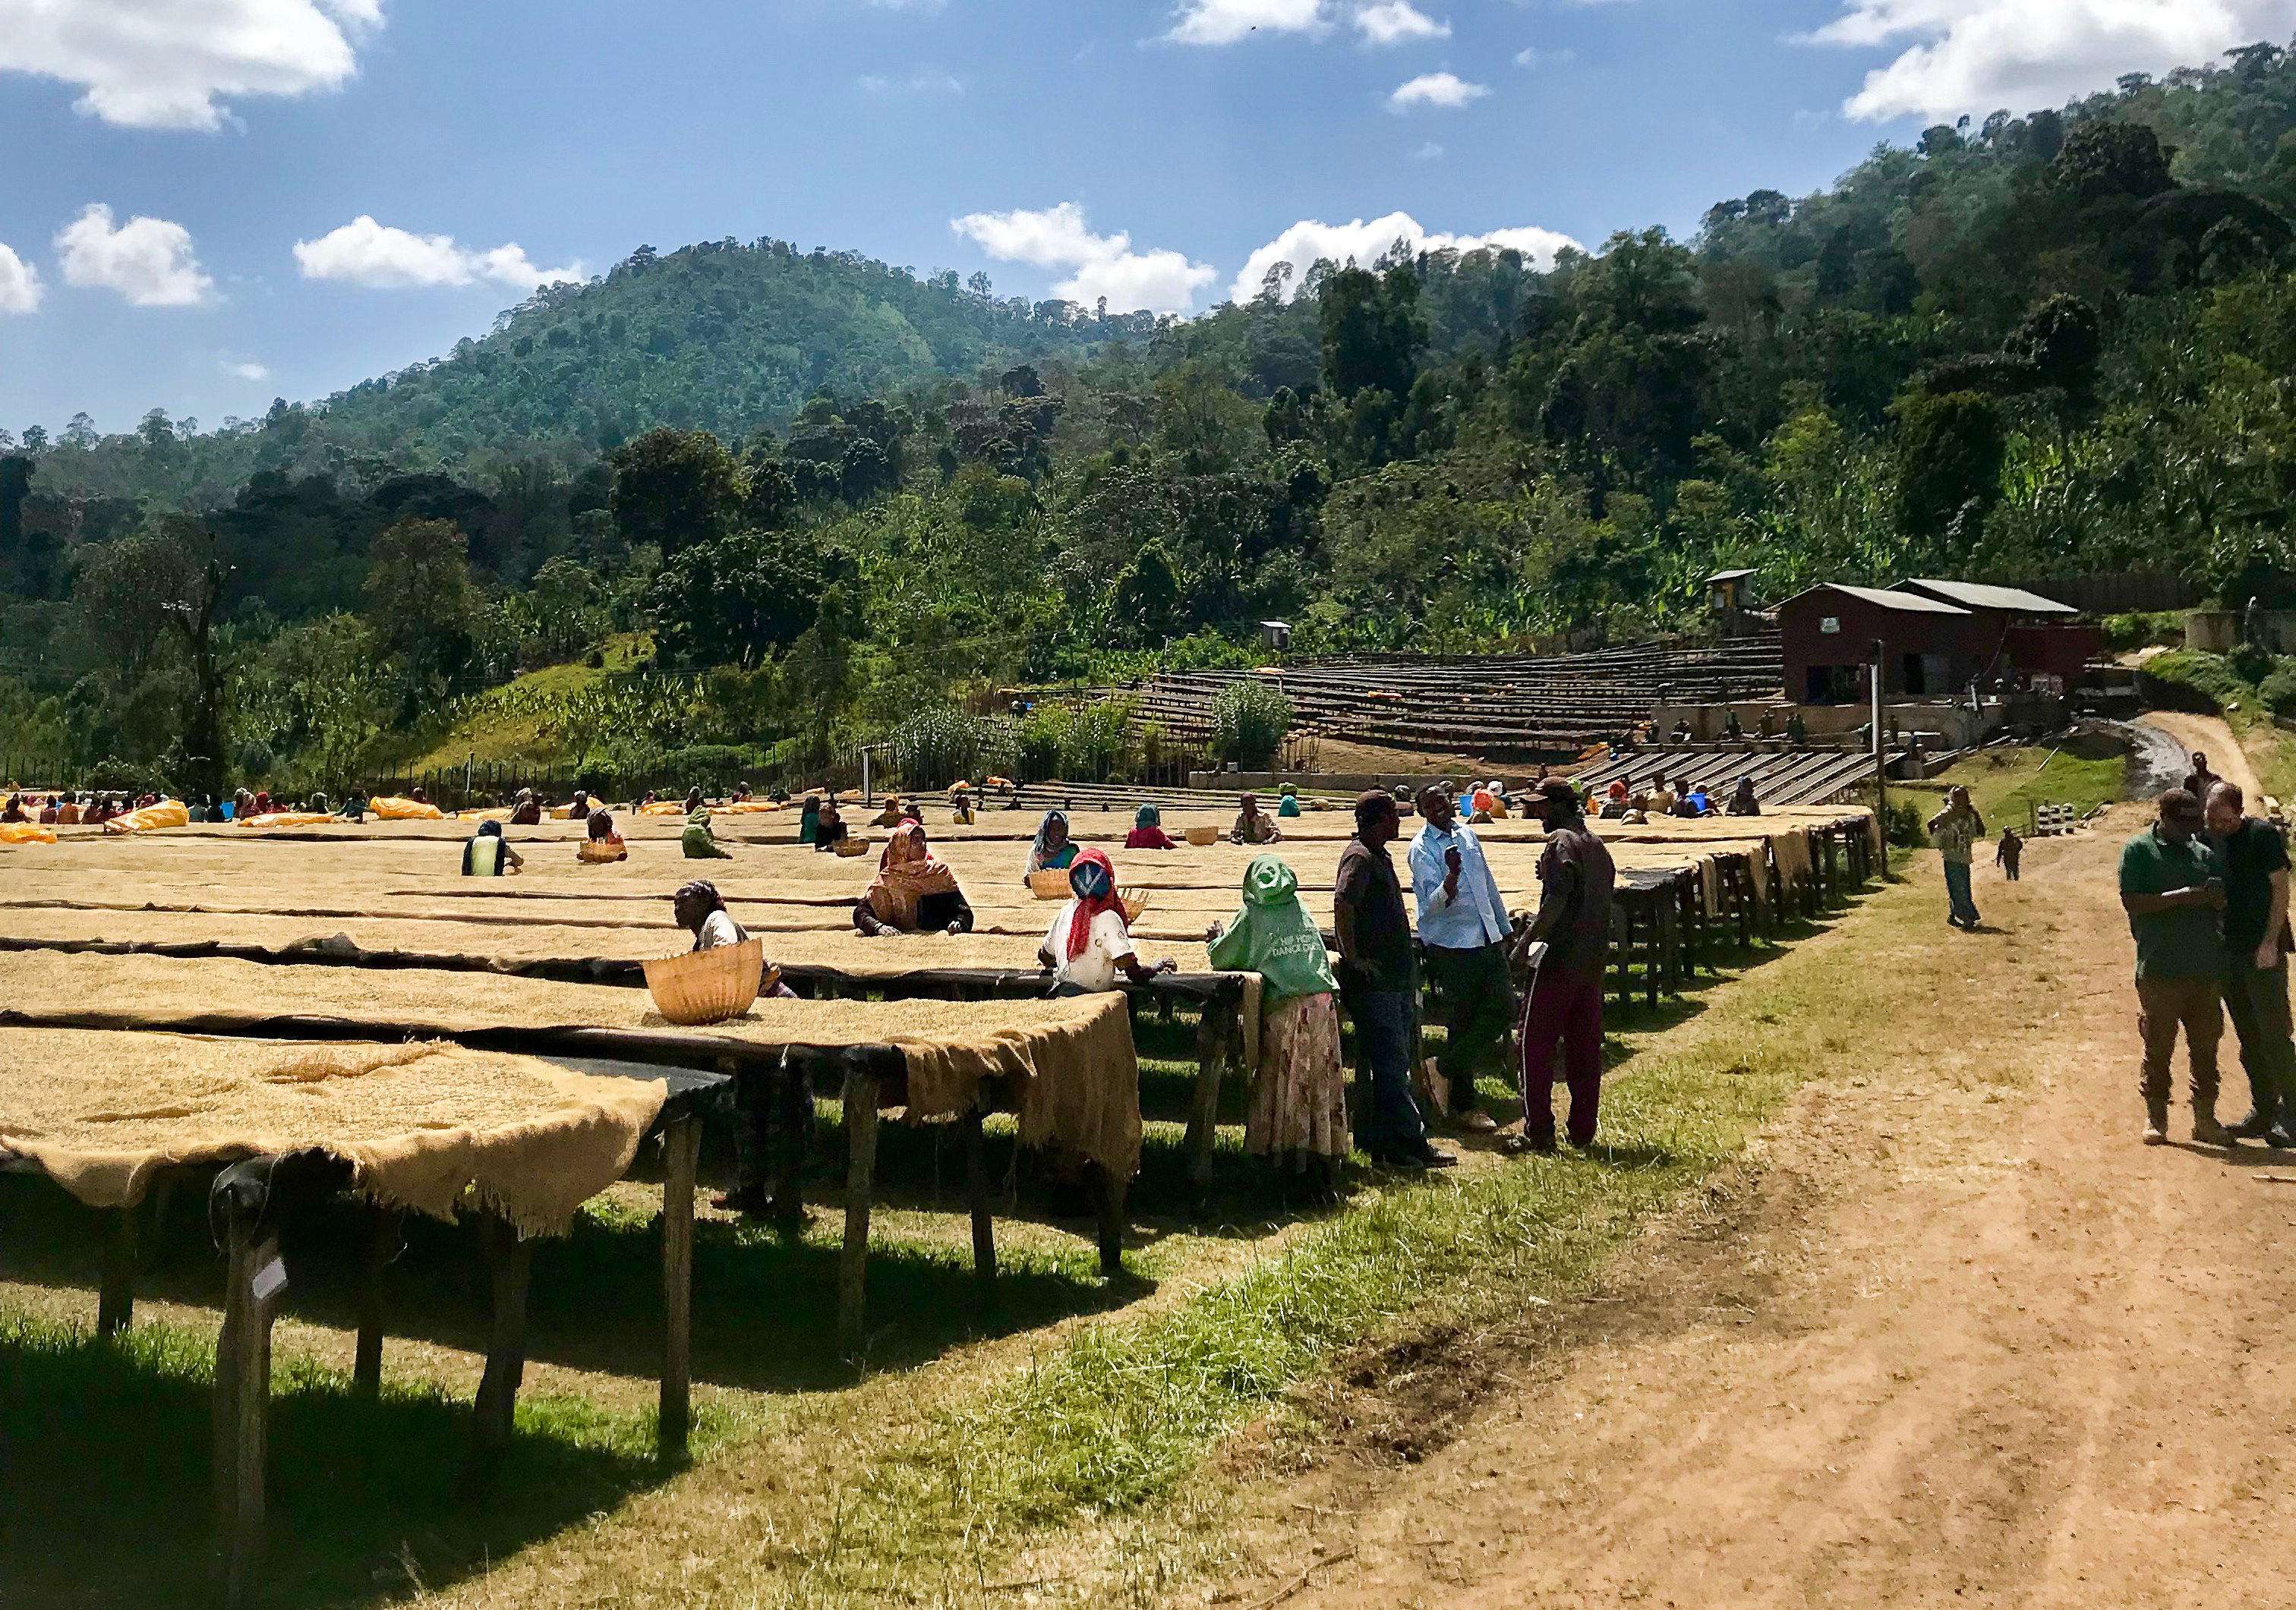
{"x":2189,"y":679}
{"x":2005,"y":784}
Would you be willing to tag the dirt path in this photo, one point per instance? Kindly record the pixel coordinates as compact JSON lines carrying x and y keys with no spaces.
{"x":1959,"y":1338}
{"x":2208,"y":733}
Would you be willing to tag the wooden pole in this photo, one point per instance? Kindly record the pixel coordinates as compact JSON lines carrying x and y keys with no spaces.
{"x":976,"y":1197}
{"x":1112,"y":1194}
{"x":510,"y":1263}
{"x":681,"y":1145}
{"x":1881,"y":762}
{"x":243,"y":1396}
{"x":114,"y":1304}
{"x":1203,"y":1112}
{"x":378,"y":1246}
{"x":860,"y":1179}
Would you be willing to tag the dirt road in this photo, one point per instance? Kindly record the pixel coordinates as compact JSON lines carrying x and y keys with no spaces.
{"x":1958,"y":1339}
{"x":2211,"y":736}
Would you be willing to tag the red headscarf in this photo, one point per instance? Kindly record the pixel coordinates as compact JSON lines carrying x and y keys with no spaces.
{"x":1089,"y":906}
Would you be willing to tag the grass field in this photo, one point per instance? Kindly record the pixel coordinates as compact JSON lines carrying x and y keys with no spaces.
{"x":2005,"y":784}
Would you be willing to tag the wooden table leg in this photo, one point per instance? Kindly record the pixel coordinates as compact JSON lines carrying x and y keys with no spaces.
{"x":976,"y":1197}
{"x":860,"y":1180}
{"x":242,"y":1401}
{"x":1203,"y":1112}
{"x":681,"y":1147}
{"x":379,"y":1242}
{"x":793,"y":1107}
{"x":509,"y":1263}
{"x":115,"y":1302}
{"x":1110,"y":1197}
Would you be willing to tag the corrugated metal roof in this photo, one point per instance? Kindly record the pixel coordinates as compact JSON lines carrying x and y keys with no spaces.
{"x":1729,"y":575}
{"x":1981,"y":596}
{"x":1909,"y":603}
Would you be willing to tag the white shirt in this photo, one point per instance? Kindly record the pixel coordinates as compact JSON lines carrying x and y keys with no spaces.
{"x":1107,"y":944}
{"x":720,"y":928}
{"x":1478,"y":916}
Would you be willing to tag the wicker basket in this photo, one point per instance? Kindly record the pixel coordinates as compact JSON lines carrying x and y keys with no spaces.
{"x":1200,"y":837}
{"x":1049,"y":885}
{"x":707,"y":986}
{"x":1134,"y":904}
{"x":851,"y":848}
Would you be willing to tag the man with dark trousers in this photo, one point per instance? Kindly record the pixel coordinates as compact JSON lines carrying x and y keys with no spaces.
{"x":1565,"y":1004}
{"x":2255,"y":865}
{"x":1463,"y":933}
{"x":1377,"y":984}
{"x":2173,"y":890}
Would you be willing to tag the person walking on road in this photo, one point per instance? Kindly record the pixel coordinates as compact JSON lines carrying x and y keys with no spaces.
{"x":1463,"y":932}
{"x":2172,"y":888}
{"x":2255,"y":865}
{"x":1377,"y":983}
{"x":2008,"y":852}
{"x":1955,"y":830}
{"x":1565,"y":1004}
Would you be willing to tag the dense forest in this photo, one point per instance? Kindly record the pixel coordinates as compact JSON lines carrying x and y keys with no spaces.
{"x":786,"y":501}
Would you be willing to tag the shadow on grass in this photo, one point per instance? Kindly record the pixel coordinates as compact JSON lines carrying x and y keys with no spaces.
{"x":104,"y":1488}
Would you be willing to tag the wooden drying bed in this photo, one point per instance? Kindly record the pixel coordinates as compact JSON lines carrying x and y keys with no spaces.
{"x":520,"y":1116}
{"x":1065,"y":1067}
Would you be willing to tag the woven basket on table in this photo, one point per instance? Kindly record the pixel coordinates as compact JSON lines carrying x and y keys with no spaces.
{"x":851,"y":848}
{"x":1200,"y":837}
{"x":707,"y":986}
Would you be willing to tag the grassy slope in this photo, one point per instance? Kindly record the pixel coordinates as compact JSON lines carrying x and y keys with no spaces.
{"x":2005,"y":784}
{"x":2212,"y":684}
{"x":490,"y":731}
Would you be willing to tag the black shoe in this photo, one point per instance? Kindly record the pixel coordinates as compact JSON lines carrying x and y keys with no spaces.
{"x":1429,"y":1157}
{"x":2254,"y":1127}
{"x":1405,"y":1163}
{"x":1527,"y":1145}
{"x":2280,"y":1141}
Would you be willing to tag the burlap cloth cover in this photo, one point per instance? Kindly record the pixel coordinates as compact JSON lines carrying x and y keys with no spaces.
{"x":425,"y":1127}
{"x":1070,"y":1062}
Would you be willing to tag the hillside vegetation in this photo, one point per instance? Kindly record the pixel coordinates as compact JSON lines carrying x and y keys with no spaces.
{"x":837,"y":496}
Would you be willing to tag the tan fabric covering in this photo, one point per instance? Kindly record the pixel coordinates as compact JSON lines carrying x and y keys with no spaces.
{"x":1074,"y":1079}
{"x":423,"y":1126}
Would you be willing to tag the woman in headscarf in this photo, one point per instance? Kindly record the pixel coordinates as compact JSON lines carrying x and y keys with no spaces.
{"x":701,"y":910}
{"x":914,"y":891}
{"x":1088,"y":943}
{"x":828,"y":827}
{"x":1051,"y":851}
{"x":960,"y":799}
{"x":604,"y":844}
{"x":526,"y":811}
{"x":692,"y":799}
{"x":1148,"y":831}
{"x":808,"y":820}
{"x":487,"y":855}
{"x":1298,"y":1111}
{"x":1742,"y":803}
{"x":1288,"y":802}
{"x":701,"y":844}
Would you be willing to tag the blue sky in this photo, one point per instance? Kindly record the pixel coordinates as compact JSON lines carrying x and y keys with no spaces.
{"x":210,"y":203}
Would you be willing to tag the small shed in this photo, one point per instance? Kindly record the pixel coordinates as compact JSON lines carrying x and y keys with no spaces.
{"x":1276,"y":634}
{"x":1729,"y":590}
{"x":1930,"y":648}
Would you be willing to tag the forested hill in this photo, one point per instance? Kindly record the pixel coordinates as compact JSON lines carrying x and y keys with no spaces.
{"x":719,"y":336}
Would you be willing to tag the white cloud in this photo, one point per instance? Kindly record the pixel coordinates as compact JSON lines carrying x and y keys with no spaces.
{"x":1446,"y":90}
{"x":1977,"y":56}
{"x":246,"y":372}
{"x":1100,"y":266}
{"x":925,"y":81}
{"x":1308,"y":242}
{"x":1397,"y":22}
{"x":166,"y":63}
{"x":364,"y":252}
{"x":1429,"y":152}
{"x":20,"y":283}
{"x":149,"y":261}
{"x":1227,"y":22}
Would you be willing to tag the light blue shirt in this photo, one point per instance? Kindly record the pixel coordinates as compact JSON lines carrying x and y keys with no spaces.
{"x":1479,"y":916}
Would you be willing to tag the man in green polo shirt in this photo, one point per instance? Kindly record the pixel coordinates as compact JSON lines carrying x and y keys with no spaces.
{"x":2172,"y":888}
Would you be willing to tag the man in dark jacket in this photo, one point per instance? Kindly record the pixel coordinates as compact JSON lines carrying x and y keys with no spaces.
{"x":1378,"y":981}
{"x":2256,"y":961}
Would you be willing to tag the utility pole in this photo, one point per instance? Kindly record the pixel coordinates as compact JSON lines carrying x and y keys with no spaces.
{"x":1881,"y":761}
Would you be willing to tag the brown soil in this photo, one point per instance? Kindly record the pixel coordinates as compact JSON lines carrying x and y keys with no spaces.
{"x":2209,"y":734}
{"x":1951,"y":1335}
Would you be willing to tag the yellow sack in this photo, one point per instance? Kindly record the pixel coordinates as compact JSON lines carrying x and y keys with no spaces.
{"x":166,"y":813}
{"x":290,"y":819}
{"x":747,"y":807}
{"x":394,"y":809}
{"x":25,"y":832}
{"x":499,"y":813}
{"x":663,"y":807}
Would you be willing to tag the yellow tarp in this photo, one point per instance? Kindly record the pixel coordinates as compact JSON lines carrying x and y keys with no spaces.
{"x":394,"y":809}
{"x":166,"y":813}
{"x":25,"y":832}
{"x":290,"y":819}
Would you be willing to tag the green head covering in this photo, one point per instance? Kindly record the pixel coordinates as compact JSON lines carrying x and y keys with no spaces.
{"x":1270,"y":881}
{"x":1276,"y":936}
{"x":1149,"y":816}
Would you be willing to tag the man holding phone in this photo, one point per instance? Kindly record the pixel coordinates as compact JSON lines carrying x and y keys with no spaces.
{"x":2172,"y":888}
{"x":1463,"y":931}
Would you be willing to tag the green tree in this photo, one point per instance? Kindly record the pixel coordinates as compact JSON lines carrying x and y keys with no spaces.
{"x":676,"y":489}
{"x":1950,"y":450}
{"x":737,"y":599}
{"x":424,"y":610}
{"x":1372,"y":331}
